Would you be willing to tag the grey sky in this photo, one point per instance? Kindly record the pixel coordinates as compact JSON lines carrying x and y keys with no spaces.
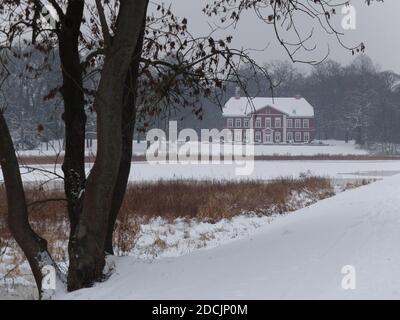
{"x":378,"y":26}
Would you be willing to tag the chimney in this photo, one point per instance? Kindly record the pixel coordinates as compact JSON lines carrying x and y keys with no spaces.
{"x":237,"y":93}
{"x":297,"y":97}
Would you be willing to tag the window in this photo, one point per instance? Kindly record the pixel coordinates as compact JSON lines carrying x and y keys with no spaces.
{"x":306,"y":136}
{"x":306,"y":123}
{"x":290,"y":123}
{"x":278,"y":122}
{"x":297,"y":123}
{"x":290,"y":136}
{"x":246,"y":123}
{"x":238,"y":135}
{"x":258,"y":136}
{"x":297,"y":136}
{"x":238,"y":123}
{"x":268,"y":122}
{"x":258,"y":122}
{"x":277,"y":136}
{"x":230,"y":123}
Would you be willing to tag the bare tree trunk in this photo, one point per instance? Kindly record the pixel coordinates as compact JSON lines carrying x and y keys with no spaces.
{"x":33,"y":246}
{"x":87,"y":255}
{"x":128,"y":127}
{"x":74,"y":110}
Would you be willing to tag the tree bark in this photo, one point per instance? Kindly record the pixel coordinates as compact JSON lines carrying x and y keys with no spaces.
{"x":87,"y":254}
{"x":74,"y":110}
{"x":33,"y":246}
{"x":127,"y":127}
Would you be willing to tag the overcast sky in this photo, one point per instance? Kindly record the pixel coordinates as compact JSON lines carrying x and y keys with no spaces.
{"x":378,"y":26}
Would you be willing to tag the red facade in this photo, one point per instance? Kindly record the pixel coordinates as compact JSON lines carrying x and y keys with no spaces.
{"x":272,"y":126}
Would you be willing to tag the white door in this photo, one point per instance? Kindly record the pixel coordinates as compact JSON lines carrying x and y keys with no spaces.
{"x":268,"y":138}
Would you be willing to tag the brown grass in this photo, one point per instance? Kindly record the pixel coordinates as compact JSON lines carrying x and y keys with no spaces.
{"x":207,"y":201}
{"x":47,"y":217}
{"x":214,"y":200}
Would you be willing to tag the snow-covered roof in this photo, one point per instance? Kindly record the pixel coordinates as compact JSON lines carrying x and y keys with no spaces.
{"x":294,"y":107}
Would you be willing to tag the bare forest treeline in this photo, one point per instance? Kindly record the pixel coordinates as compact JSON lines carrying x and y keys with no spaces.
{"x":352,"y":102}
{"x":357,"y":101}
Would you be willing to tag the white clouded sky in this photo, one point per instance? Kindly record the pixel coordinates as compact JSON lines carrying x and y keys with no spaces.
{"x":378,"y":26}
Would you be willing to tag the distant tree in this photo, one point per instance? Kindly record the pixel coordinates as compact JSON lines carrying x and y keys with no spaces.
{"x":32,"y":118}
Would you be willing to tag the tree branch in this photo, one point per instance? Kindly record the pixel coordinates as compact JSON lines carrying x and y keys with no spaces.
{"x":104,"y":25}
{"x":58,"y":9}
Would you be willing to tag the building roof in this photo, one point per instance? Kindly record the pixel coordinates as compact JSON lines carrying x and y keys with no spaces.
{"x":294,"y":107}
{"x":396,"y":86}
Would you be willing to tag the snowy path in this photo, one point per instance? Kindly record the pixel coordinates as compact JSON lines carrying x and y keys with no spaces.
{"x":300,"y":255}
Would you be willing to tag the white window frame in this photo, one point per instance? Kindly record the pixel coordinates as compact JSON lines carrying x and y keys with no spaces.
{"x":306,"y":124}
{"x":238,"y":135}
{"x":296,"y":135}
{"x":258,"y":136}
{"x":230,"y":123}
{"x":268,"y":122}
{"x":246,"y":122}
{"x":270,"y":135}
{"x":278,"y":123}
{"x":278,"y":136}
{"x":238,"y":123}
{"x":258,"y":122}
{"x":306,"y":136}
{"x":290,"y":123}
{"x":297,"y":123}
{"x":289,"y":136}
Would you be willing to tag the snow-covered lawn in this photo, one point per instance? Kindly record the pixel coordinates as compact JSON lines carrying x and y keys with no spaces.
{"x":323,"y":147}
{"x":263,"y":170}
{"x":327,"y":147}
{"x":300,"y":255}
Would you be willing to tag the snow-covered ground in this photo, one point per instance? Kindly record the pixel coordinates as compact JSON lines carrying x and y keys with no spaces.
{"x":156,"y":238}
{"x":327,"y":147}
{"x":301,"y":255}
{"x":263,"y":170}
{"x":323,"y":147}
{"x":294,"y":256}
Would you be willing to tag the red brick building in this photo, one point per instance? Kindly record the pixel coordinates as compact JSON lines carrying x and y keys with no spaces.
{"x":274,"y":120}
